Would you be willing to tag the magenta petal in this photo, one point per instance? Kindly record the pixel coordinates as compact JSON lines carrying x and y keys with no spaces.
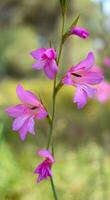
{"x":91,"y":78}
{"x":39,"y":64}
{"x":51,"y":69}
{"x":86,"y":64}
{"x":42,"y":113}
{"x":16,"y":111}
{"x":23,"y":131}
{"x":40,"y":178}
{"x":49,"y":172}
{"x":30,"y":126}
{"x":80,"y":98}
{"x":37,"y":54}
{"x":79,"y":31}
{"x":89,"y":90}
{"x":46,"y":154}
{"x":43,"y":170}
{"x":38,"y":168}
{"x":19,"y":122}
{"x":49,"y":54}
{"x":27,"y":96}
{"x":67,"y":79}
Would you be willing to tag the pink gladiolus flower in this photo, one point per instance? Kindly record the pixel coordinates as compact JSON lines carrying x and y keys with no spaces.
{"x":82,"y":76}
{"x":107,"y":62}
{"x":103,"y":92}
{"x":26,"y":112}
{"x":80,"y":32}
{"x":44,"y":168}
{"x":46,"y":61}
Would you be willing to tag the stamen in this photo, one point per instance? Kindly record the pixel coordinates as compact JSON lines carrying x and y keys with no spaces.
{"x":34,"y":107}
{"x":77,"y":75}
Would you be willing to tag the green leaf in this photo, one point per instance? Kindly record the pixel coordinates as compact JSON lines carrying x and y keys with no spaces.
{"x":67,"y":33}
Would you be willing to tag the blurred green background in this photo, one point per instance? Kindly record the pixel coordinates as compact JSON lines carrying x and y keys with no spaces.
{"x":82,"y":137}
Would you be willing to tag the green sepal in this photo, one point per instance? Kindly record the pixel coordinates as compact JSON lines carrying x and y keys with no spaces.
{"x":68,"y":33}
{"x":74,"y":23}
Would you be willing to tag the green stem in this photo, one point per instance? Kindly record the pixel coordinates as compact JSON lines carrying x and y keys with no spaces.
{"x":53,"y":188}
{"x":53,"y":113}
{"x":54,"y":85}
{"x":61,"y":43}
{"x":53,"y":105}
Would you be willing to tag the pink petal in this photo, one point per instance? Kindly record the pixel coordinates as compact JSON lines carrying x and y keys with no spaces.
{"x":30,"y":126}
{"x":26,"y":96}
{"x":39,"y":64}
{"x":37,"y":54}
{"x":67,"y":79}
{"x":51,"y":69}
{"x":40,"y":178}
{"x":23,"y":132}
{"x":49,"y":172}
{"x":79,"y":31}
{"x":46,"y":154}
{"x":85,"y":64}
{"x":42,"y":113}
{"x":103,"y":92}
{"x":80,"y":98}
{"x":19,"y":122}
{"x":38,"y":168}
{"x":49,"y":54}
{"x":89,"y":90}
{"x":16,"y":111}
{"x":91,"y":78}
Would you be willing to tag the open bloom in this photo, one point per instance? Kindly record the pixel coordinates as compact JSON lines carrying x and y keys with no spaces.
{"x":46,"y":61}
{"x":103,"y":92}
{"x":44,"y":168}
{"x":82,"y":76}
{"x":26,"y":112}
{"x":80,"y":32}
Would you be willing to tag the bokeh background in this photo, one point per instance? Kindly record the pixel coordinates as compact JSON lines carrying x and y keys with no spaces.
{"x":82,"y":137}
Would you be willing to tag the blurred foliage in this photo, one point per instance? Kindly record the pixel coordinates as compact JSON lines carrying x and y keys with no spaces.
{"x":26,"y":25}
{"x":16,"y":56}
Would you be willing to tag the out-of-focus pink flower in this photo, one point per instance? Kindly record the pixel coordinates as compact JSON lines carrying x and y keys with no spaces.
{"x":80,"y":32}
{"x":106,"y":62}
{"x":26,"y":112}
{"x":46,"y":61}
{"x":44,"y":168}
{"x":103,"y":92}
{"x":82,"y":76}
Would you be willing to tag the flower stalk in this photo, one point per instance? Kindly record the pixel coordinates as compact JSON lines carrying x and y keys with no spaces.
{"x":53,"y":104}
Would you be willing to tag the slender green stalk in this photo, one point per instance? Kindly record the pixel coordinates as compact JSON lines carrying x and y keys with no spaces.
{"x":54,"y":85}
{"x":53,"y":113}
{"x":61,"y":43}
{"x":53,"y":105}
{"x":53,"y":188}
